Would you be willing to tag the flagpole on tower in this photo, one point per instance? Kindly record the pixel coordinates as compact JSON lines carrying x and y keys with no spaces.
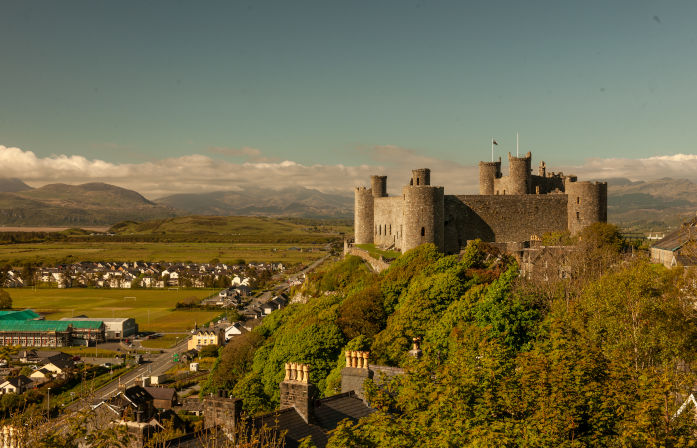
{"x":516,"y":144}
{"x":492,"y":149}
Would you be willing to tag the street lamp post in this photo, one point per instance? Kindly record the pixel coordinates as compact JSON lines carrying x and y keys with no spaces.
{"x":48,"y":402}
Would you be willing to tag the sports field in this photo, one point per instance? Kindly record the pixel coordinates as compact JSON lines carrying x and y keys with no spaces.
{"x":51,"y":253}
{"x":152,"y":309}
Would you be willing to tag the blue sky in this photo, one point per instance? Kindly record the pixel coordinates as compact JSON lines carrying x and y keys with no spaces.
{"x":326,"y":82}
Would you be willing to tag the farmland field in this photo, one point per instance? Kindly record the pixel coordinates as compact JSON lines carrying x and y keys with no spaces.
{"x":153,"y":310}
{"x":50,"y":253}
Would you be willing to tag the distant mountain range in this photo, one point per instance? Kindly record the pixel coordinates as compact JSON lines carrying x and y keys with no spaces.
{"x":73,"y":205}
{"x":643,"y":205}
{"x":651,"y":205}
{"x":295,"y":202}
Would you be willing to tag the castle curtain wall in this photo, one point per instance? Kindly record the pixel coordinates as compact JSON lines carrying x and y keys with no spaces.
{"x":503,"y":218}
{"x":388,"y":225}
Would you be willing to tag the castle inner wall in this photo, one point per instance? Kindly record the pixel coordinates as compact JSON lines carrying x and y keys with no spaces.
{"x":502,"y":218}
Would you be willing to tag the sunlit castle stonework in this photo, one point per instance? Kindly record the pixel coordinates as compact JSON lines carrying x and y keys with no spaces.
{"x":516,"y":208}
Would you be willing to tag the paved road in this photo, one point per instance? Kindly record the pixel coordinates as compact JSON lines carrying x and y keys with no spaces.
{"x":156,"y":366}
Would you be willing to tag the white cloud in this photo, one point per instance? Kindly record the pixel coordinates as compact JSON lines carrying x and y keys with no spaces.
{"x":200,"y":173}
{"x":655,"y":167}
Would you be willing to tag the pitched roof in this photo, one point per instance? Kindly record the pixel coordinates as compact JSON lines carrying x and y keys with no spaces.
{"x":161,"y":393}
{"x":677,"y":238}
{"x":327,"y":412}
{"x":137,"y":395}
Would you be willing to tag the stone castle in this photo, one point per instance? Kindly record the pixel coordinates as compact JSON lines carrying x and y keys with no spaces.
{"x":511,"y":209}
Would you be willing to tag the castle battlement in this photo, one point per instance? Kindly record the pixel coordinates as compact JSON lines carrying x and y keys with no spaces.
{"x":509,"y":209}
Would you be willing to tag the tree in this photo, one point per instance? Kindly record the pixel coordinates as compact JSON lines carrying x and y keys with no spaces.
{"x":5,"y":300}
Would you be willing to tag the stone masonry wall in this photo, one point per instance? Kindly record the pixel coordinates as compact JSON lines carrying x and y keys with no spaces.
{"x":502,"y":218}
{"x":387,"y":228}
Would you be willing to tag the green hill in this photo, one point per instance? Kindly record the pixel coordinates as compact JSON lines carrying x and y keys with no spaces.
{"x":76,"y":205}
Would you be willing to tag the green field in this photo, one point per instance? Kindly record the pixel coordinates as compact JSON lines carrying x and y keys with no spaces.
{"x":51,"y":253}
{"x":152,"y":309}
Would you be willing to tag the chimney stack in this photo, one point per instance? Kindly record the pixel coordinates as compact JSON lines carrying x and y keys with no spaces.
{"x":297,"y":391}
{"x":356,"y":372}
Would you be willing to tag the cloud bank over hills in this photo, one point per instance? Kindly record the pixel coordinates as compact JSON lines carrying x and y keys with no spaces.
{"x":199,"y":173}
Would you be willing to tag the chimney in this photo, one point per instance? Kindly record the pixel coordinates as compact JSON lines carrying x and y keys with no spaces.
{"x":355,"y":373}
{"x":297,"y":391}
{"x":416,"y":350}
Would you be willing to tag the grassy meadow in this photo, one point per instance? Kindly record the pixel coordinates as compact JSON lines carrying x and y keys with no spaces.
{"x":51,"y":253}
{"x":152,"y":309}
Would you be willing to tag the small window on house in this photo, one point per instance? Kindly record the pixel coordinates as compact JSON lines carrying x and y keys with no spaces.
{"x":578,"y":215}
{"x":423,"y":231}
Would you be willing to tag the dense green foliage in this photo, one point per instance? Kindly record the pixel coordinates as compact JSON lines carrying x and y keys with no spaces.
{"x":601,"y":357}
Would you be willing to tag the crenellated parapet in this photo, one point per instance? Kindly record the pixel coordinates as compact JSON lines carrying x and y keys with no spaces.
{"x":488,"y":173}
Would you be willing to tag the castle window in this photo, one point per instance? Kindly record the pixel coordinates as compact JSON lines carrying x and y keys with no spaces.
{"x":423,"y":231}
{"x":385,"y":233}
{"x":578,"y":200}
{"x":578,"y":215}
{"x":411,"y":182}
{"x":390,"y":229}
{"x":417,"y":181}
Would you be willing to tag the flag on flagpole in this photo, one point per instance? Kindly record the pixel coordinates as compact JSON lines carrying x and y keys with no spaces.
{"x":494,"y":142}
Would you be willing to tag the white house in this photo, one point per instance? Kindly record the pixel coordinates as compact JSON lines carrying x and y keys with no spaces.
{"x":234,"y":330}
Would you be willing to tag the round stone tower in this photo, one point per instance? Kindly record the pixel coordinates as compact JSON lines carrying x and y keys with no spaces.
{"x":379,"y":186}
{"x":420,"y":177}
{"x":423,"y":212}
{"x":519,"y":174}
{"x":488,"y":171}
{"x":363,"y":213}
{"x":587,"y":203}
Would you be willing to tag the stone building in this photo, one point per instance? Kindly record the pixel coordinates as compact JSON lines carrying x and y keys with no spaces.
{"x":508,"y":209}
{"x":678,"y":248}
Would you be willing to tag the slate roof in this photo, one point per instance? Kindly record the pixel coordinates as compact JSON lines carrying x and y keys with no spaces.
{"x":327,"y":414}
{"x":161,"y":393}
{"x":677,"y":238}
{"x":137,"y":395}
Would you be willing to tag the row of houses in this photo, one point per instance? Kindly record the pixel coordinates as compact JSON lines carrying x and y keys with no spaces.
{"x":140,"y":274}
{"x":47,"y":366}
